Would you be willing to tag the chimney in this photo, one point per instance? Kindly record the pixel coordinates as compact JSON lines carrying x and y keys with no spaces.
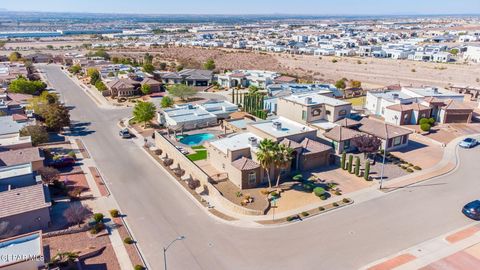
{"x":277,"y":125}
{"x":308,"y":100}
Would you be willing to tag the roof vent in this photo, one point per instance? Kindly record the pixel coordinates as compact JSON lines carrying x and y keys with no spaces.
{"x":277,"y":125}
{"x":308,"y":100}
{"x":435,"y":90}
{"x":252,"y":141}
{"x":395,"y":95}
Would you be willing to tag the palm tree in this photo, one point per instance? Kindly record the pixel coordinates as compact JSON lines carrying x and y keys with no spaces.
{"x":265,"y":156}
{"x":282,"y":158}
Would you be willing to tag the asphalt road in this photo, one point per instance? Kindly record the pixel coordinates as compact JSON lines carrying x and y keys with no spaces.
{"x":158,"y":210}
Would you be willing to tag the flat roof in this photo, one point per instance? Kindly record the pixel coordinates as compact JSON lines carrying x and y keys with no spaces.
{"x":286,"y":127}
{"x":391,"y":95}
{"x":188,"y":114}
{"x":20,"y":248}
{"x":315,"y":99}
{"x":13,"y":140}
{"x":433,"y":92}
{"x":15,"y":170}
{"x":218,"y":107}
{"x":235,"y":142}
{"x":241,"y":123}
{"x":8,"y":126}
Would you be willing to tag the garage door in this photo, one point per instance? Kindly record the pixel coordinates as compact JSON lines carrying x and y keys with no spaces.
{"x":456,"y":118}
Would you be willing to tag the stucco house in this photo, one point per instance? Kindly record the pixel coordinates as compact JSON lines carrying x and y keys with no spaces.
{"x":22,"y":252}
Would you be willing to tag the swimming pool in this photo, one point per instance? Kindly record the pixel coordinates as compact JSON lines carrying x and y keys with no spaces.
{"x":195,"y":139}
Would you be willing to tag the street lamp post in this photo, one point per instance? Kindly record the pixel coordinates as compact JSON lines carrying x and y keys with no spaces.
{"x":166,"y":248}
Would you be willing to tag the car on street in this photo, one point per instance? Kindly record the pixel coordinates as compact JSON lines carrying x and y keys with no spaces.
{"x":472,"y":210}
{"x":125,"y":133}
{"x":468,"y":143}
{"x":63,"y":162}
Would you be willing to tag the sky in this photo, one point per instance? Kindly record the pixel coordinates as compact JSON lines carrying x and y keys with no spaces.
{"x":311,"y":7}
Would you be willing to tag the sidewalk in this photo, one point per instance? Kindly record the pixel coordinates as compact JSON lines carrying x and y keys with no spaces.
{"x":103,"y":204}
{"x":458,"y":249}
{"x":447,"y":164}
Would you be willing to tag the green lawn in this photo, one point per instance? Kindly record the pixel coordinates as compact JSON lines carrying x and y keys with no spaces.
{"x":357,"y":101}
{"x":200,"y":154}
{"x":198,"y":147}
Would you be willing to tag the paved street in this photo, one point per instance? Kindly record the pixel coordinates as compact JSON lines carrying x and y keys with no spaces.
{"x":158,"y":210}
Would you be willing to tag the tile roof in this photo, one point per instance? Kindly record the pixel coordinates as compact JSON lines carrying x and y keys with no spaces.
{"x":347,"y":122}
{"x":340,"y":134}
{"x":381,"y":129}
{"x":20,"y":156}
{"x":290,"y":143}
{"x":245,"y":164}
{"x":22,"y":200}
{"x":150,"y":81}
{"x":407,"y":107}
{"x":456,"y":105}
{"x":314,"y":147}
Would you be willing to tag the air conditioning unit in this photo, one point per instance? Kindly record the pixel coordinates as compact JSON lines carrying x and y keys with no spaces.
{"x":252,"y":141}
{"x":277,"y":125}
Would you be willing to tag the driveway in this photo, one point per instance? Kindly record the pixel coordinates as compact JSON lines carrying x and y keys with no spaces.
{"x":158,"y":210}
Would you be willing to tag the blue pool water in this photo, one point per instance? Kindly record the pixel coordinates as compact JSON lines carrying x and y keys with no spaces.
{"x":195,"y":139}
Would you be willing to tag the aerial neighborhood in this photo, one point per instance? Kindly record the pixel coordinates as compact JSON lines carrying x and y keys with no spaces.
{"x":261,"y":124}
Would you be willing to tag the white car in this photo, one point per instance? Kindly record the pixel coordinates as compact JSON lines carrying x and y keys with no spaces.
{"x":468,"y":143}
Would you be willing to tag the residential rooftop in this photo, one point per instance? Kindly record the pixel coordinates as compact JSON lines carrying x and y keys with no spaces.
{"x":24,"y":199}
{"x":19,"y":248}
{"x":15,"y":170}
{"x":236,"y":142}
{"x":315,"y":99}
{"x":281,"y":127}
{"x":432,"y":92}
{"x":187,"y":113}
{"x":7,"y":141}
{"x":9,"y":126}
{"x":219,"y":106}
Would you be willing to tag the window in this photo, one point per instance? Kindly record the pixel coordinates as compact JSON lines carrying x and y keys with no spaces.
{"x":327,"y":112}
{"x":397,"y":141}
{"x":252,"y":178}
{"x":304,"y":115}
{"x":342,"y":112}
{"x":316,"y":112}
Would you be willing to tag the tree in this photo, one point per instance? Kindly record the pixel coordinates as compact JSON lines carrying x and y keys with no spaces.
{"x":144,"y":112}
{"x":340,"y":84}
{"x":182,"y":91}
{"x":454,"y":51}
{"x":100,"y":53}
{"x":148,"y":68}
{"x":148,"y":58}
{"x":167,"y":102}
{"x":366,"y":144}
{"x":179,"y":68}
{"x":210,"y":64}
{"x":252,"y":89}
{"x":38,"y":134}
{"x":343,"y":160}
{"x":282,"y":158}
{"x":14,"y":57}
{"x":425,"y":127}
{"x":75,"y":69}
{"x":350,"y":163}
{"x":163,"y":66}
{"x":100,"y":86}
{"x":49,"y":174}
{"x":355,"y":84}
{"x":366,"y":175}
{"x":146,"y":89}
{"x":94,"y":75}
{"x":265,"y":156}
{"x":56,"y":117}
{"x":77,"y":213}
{"x":24,"y":86}
{"x":357,"y":166}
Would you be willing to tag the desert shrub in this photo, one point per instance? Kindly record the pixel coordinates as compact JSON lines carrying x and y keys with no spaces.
{"x":335,"y":204}
{"x":414,"y":70}
{"x":321,"y":208}
{"x":319,"y":191}
{"x":334,"y":61}
{"x":345,"y":200}
{"x":158,"y":152}
{"x":128,"y":240}
{"x":305,"y":214}
{"x":98,"y":217}
{"x":193,"y":184}
{"x":291,"y":218}
{"x":409,"y":170}
{"x":425,"y":127}
{"x":417,"y":168}
{"x":138,"y":267}
{"x":274,"y":194}
{"x":308,"y":186}
{"x":265,"y":191}
{"x":431,"y":121}
{"x":423,"y":121}
{"x":338,"y":192}
{"x":71,"y":154}
{"x":114,"y":213}
{"x":238,"y":194}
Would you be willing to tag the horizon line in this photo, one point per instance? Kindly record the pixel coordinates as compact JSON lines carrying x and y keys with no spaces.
{"x":247,"y":14}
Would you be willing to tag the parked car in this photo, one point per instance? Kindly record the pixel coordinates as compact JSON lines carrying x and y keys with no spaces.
{"x":472,"y":210}
{"x":63,"y":162}
{"x":125,"y":133}
{"x":468,"y":143}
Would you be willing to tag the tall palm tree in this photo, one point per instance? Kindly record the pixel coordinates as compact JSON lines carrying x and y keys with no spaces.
{"x":265,"y":156}
{"x":282,"y":158}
